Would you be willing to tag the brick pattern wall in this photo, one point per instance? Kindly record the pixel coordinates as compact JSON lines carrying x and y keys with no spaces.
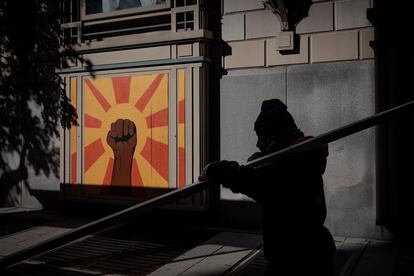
{"x":333,"y":31}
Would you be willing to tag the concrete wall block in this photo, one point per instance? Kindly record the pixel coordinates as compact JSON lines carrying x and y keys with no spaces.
{"x":242,"y":5}
{"x":334,"y":46}
{"x":233,"y":27}
{"x":365,"y":36}
{"x":319,"y":19}
{"x":246,"y":54}
{"x":262,"y":24}
{"x":351,"y":14}
{"x":273,"y":57}
{"x":241,"y":95}
{"x":184,"y":50}
{"x":322,"y":97}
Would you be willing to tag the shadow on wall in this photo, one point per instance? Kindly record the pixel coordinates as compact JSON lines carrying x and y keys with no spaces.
{"x":33,"y":102}
{"x":350,"y":187}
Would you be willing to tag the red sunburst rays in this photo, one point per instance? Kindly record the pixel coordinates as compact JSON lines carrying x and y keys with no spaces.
{"x":158,"y":119}
{"x":92,"y":122}
{"x":108,"y":173}
{"x":106,"y":184}
{"x":135,"y":175}
{"x":181,"y":112}
{"x":156,"y":154}
{"x":121,"y":89}
{"x":146,"y":97}
{"x":98,"y":95}
{"x":74,"y":177}
{"x":92,"y":153}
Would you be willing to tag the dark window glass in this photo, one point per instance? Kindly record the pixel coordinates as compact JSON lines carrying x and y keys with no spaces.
{"x":93,"y":6}
{"x":75,"y":10}
{"x":70,"y":35}
{"x":66,"y":11}
{"x":185,"y":21}
{"x":181,"y":3}
{"x":100,"y":6}
{"x":127,"y":27}
{"x":70,"y":11}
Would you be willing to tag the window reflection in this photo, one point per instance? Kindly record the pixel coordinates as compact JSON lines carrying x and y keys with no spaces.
{"x":99,"y":6}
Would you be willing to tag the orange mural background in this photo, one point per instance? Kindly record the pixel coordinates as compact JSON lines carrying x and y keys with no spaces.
{"x":142,"y":99}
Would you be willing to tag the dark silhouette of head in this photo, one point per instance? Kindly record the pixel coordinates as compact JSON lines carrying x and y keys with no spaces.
{"x":273,"y":118}
{"x":273,"y":122}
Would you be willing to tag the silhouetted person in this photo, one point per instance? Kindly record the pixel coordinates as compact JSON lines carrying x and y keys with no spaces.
{"x":291,"y":193}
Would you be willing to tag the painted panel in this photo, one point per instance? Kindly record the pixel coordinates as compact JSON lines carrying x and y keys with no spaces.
{"x":181,"y":126}
{"x":73,"y":134}
{"x":126,"y":131}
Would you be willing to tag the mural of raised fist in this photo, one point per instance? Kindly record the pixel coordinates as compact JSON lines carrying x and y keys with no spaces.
{"x":122,"y":138}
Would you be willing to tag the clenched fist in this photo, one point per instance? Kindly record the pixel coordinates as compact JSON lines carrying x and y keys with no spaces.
{"x":122,"y":138}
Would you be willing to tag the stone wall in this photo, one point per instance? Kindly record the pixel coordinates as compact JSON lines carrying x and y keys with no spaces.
{"x":328,"y":84}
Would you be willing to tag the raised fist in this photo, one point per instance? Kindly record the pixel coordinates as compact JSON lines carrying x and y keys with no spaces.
{"x":122,"y":138}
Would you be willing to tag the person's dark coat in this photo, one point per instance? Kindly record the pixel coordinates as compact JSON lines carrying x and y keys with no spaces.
{"x":293,"y":203}
{"x":290,"y":191}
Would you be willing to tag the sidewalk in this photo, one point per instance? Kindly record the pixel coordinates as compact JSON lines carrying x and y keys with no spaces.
{"x":357,"y":257}
{"x":164,"y":248}
{"x":22,"y":227}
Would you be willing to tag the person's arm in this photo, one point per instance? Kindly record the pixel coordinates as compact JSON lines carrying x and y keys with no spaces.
{"x":251,"y":181}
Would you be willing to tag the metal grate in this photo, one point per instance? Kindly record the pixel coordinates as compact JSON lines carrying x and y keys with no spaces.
{"x":109,"y":255}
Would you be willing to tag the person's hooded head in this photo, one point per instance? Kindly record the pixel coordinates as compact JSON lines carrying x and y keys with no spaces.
{"x":274,"y":125}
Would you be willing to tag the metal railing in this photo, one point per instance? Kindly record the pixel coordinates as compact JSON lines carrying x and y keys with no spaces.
{"x":123,"y":216}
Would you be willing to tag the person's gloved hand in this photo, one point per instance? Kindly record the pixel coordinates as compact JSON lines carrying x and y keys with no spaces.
{"x":204,"y":175}
{"x":223,"y":172}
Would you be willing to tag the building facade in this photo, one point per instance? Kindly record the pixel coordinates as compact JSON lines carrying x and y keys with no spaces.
{"x":153,"y":63}
{"x":142,"y":61}
{"x":328,"y":84}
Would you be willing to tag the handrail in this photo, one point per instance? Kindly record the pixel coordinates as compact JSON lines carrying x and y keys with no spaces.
{"x":123,"y":216}
{"x":335,"y":134}
{"x":108,"y":222}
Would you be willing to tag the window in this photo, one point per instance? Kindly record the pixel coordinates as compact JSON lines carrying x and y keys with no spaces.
{"x":70,"y":35}
{"x":182,"y":3}
{"x":103,"y":6}
{"x":127,"y":27}
{"x":71,"y":11}
{"x":185,"y":21}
